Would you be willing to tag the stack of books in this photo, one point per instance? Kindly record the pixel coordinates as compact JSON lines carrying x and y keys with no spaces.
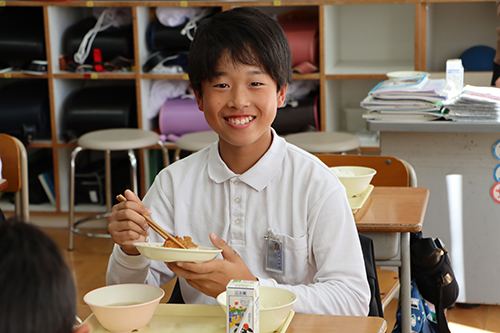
{"x":411,"y":98}
{"x":474,"y":104}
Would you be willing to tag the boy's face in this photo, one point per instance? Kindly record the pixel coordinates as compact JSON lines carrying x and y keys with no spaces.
{"x":240,"y":104}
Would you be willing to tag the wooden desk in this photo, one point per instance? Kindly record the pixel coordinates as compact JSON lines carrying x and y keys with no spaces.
{"x":400,"y":210}
{"x":437,"y":149}
{"x":393,"y":209}
{"x":211,"y":318}
{"x":336,"y":324}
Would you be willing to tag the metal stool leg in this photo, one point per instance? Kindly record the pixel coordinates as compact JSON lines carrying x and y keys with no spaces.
{"x":177,"y":154}
{"x":133,"y":171}
{"x":107,"y":167}
{"x":166,"y":159}
{"x":72,"y":197}
{"x":73,"y":226}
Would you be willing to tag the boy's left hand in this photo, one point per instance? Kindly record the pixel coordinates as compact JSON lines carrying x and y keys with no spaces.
{"x":211,"y":277}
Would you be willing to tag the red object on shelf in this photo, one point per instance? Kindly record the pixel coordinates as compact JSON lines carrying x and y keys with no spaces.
{"x":98,"y":60}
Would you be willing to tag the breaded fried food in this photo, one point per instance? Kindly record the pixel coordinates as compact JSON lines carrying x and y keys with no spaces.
{"x":187,"y":242}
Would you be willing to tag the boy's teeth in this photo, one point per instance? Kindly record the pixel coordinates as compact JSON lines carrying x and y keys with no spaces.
{"x":241,"y":120}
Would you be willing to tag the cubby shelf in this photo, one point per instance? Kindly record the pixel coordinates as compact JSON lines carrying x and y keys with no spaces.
{"x":359,"y":41}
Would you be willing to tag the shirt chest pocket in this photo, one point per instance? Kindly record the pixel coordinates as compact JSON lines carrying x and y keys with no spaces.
{"x":296,"y":260}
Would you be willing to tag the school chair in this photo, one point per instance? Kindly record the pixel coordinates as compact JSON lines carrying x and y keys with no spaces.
{"x":391,"y":171}
{"x":15,"y":170}
{"x":108,"y":140}
{"x":325,"y":142}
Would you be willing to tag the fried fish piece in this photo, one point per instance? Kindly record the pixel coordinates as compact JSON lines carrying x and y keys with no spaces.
{"x":187,"y":242}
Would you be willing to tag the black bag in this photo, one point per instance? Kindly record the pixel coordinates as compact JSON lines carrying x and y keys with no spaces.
{"x":112,"y":42}
{"x":432,"y":272}
{"x":24,"y":110}
{"x":90,"y":177}
{"x":162,"y":38}
{"x":298,"y":118}
{"x":96,"y":108}
{"x":22,"y":37}
{"x":376,"y":309}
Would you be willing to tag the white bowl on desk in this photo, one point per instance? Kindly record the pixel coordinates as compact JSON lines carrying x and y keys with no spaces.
{"x":400,"y":74}
{"x":354,"y":178}
{"x":123,"y":308}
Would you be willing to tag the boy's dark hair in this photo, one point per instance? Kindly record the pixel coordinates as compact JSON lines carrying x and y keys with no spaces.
{"x":250,"y":36}
{"x":37,"y":292}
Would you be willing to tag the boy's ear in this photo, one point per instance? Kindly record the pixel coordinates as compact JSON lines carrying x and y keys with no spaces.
{"x":199,"y":100}
{"x":282,"y":95}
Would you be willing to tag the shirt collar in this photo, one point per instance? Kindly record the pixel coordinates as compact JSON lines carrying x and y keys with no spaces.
{"x":258,"y":176}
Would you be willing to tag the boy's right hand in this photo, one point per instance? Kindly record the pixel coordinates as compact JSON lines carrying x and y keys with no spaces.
{"x":127,"y":225}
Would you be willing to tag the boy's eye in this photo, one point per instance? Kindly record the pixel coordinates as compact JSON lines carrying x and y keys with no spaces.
{"x":221,"y":85}
{"x":256,"y":84}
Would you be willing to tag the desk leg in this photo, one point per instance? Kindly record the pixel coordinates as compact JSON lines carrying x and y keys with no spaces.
{"x":405,"y":280}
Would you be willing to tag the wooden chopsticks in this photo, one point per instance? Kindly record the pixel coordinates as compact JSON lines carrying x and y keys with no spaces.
{"x":155,"y":226}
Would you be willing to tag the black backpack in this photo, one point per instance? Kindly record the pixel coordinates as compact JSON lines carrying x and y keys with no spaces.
{"x":432,"y":272}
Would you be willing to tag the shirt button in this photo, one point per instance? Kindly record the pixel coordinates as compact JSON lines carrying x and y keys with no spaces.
{"x":236,"y":182}
{"x":237,"y":221}
{"x":237,"y":200}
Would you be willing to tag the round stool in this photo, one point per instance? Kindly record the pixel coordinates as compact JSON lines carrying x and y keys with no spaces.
{"x":108,"y":140}
{"x":194,"y":141}
{"x":325,"y":142}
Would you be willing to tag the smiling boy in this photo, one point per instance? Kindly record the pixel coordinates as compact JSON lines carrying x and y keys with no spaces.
{"x":240,"y":104}
{"x":277,"y":212}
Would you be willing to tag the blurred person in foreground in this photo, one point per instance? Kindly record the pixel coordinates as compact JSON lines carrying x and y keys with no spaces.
{"x":37,"y":291}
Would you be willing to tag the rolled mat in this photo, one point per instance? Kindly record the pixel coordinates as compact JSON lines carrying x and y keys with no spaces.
{"x":180,"y":116}
{"x":302,"y":35}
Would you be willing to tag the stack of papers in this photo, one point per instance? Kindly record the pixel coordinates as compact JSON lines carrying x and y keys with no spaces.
{"x":412,"y":98}
{"x":474,"y":104}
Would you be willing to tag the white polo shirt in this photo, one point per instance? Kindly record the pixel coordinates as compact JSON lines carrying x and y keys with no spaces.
{"x":288,"y":193}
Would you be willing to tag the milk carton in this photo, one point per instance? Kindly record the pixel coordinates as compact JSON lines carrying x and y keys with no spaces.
{"x":242,"y":306}
{"x":455,"y":75}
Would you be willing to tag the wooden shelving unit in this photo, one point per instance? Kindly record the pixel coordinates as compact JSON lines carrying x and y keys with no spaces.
{"x":359,"y":41}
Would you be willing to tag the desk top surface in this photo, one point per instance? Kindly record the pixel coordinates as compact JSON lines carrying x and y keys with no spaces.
{"x":393,"y":209}
{"x":201,"y":318}
{"x":336,"y":324}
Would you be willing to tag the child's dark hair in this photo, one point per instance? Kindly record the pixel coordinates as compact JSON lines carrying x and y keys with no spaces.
{"x":37,"y":291}
{"x":249,"y":36}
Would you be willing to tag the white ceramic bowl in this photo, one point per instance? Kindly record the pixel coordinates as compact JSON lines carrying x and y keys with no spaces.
{"x":355,"y":178}
{"x":123,"y":308}
{"x":400,"y":74}
{"x":275,"y":305}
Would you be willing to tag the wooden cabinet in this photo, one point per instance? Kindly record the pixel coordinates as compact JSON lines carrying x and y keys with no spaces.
{"x":359,"y":42}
